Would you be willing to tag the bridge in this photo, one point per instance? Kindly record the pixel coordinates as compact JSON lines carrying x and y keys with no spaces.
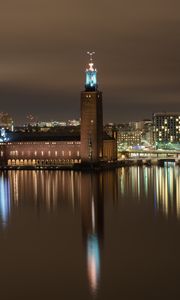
{"x":150,"y":156}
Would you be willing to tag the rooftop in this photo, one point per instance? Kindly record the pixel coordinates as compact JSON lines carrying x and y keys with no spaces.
{"x":45,"y":136}
{"x":168,"y":114}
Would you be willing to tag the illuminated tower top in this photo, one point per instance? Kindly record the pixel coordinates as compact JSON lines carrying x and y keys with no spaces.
{"x":91,"y":75}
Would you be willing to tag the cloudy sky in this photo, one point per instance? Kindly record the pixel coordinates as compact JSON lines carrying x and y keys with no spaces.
{"x":43,"y":46}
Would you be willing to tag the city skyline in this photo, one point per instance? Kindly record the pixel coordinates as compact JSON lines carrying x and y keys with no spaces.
{"x":43,"y":57}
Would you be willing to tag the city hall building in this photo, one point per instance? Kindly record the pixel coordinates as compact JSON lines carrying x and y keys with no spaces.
{"x":53,"y":149}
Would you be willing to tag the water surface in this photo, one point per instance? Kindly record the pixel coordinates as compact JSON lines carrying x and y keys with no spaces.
{"x":72,"y":235}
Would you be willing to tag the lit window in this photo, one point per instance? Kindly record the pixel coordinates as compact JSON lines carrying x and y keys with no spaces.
{"x":55,"y":153}
{"x":62,"y":153}
{"x":69,"y":153}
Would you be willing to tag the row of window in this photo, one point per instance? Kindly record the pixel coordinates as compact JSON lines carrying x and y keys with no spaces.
{"x":45,"y":143}
{"x":166,"y":118}
{"x":33,"y":162}
{"x":89,"y":96}
{"x":43,"y":153}
{"x":129,"y":138}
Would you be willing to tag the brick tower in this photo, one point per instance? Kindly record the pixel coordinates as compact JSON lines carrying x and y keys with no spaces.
{"x":91,"y":117}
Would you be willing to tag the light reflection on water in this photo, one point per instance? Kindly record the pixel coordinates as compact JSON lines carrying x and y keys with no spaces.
{"x":88,"y":193}
{"x":162,"y":185}
{"x":5,"y":202}
{"x":93,"y":262}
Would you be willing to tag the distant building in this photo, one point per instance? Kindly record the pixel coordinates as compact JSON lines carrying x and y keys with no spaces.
{"x":73,"y":122}
{"x":129,"y":138}
{"x":147,"y":133}
{"x":134,"y":134}
{"x":6,"y":121}
{"x":137,"y":125}
{"x":166,"y":128}
{"x":45,"y":126}
{"x":111,"y":130}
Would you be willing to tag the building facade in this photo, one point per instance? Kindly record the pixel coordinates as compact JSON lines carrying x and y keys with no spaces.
{"x":166,"y":128}
{"x":6,"y":121}
{"x":129,"y":138}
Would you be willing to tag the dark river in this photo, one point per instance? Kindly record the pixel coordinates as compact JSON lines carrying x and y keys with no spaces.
{"x":72,"y":235}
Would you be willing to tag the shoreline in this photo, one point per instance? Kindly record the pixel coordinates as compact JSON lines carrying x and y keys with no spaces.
{"x":98,"y":166}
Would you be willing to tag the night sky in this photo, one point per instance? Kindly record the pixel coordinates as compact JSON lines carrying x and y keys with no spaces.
{"x":43,"y":56}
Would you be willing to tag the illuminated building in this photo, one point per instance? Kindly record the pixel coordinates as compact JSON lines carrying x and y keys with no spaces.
{"x":6,"y":121}
{"x":137,"y":125}
{"x":166,"y":128}
{"x":56,"y":148}
{"x":73,"y":122}
{"x":129,"y":138}
{"x":147,"y":133}
{"x":134,"y":134}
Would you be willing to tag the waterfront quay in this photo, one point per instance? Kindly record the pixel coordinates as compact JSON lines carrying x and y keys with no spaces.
{"x":125,"y":159}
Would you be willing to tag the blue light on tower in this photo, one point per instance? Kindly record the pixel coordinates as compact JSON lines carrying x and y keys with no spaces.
{"x":91,"y":75}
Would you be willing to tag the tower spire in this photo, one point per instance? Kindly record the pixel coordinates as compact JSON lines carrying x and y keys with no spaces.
{"x":91,"y":55}
{"x":91,"y":74}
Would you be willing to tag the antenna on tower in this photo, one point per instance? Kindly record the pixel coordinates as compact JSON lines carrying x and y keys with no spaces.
{"x":91,"y":55}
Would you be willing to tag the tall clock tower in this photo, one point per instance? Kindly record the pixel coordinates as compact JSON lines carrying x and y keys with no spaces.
{"x":91,"y":117}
